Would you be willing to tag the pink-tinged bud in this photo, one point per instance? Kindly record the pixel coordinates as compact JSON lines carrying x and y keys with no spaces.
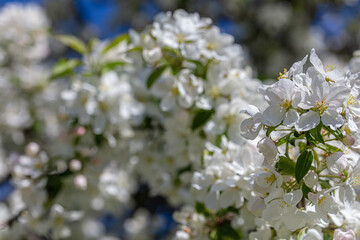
{"x":80,"y":131}
{"x":75,"y":165}
{"x":80,"y":182}
{"x":348,"y":140}
{"x":340,"y":235}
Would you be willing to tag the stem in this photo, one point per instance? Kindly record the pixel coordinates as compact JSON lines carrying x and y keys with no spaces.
{"x":316,"y":157}
{"x":329,"y":176}
{"x":287,"y":146}
{"x":328,"y":140}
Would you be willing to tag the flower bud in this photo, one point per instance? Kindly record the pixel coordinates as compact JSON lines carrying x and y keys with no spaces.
{"x":32,"y":149}
{"x":348,"y":140}
{"x":75,"y":165}
{"x":340,"y":235}
{"x":80,"y":182}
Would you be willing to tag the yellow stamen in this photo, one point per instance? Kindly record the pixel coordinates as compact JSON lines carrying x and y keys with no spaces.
{"x":270,"y":179}
{"x":175,"y":91}
{"x":351,"y":101}
{"x":211,"y":46}
{"x":214,"y":92}
{"x":321,"y":106}
{"x":329,"y":68}
{"x":283,"y":75}
{"x":286,"y":103}
{"x":320,"y":200}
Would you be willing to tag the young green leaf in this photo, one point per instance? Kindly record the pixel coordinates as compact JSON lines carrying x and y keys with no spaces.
{"x":201,"y":118}
{"x":286,"y":165}
{"x":316,"y":133}
{"x":155,"y":75}
{"x":115,"y":42}
{"x":73,"y":42}
{"x":305,"y":190}
{"x":64,"y":68}
{"x":302,"y":233}
{"x":303,"y":164}
{"x":325,"y":184}
{"x":226,"y":232}
{"x":269,"y":130}
{"x":201,"y":209}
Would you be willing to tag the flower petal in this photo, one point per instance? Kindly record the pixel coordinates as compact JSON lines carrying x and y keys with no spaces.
{"x":332,"y":119}
{"x":315,"y":60}
{"x":308,"y":121}
{"x":291,"y":118}
{"x":273,"y":115}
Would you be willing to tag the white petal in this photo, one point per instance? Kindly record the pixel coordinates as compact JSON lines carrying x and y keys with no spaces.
{"x":297,"y":67}
{"x":219,"y":185}
{"x":291,"y":118}
{"x":99,"y":123}
{"x":315,"y":60}
{"x":338,"y":95}
{"x":294,"y":219}
{"x":273,"y":115}
{"x":167,"y":103}
{"x":211,"y":200}
{"x":228,"y":197}
{"x":332,"y":119}
{"x":308,"y":121}
{"x":272,"y":211}
{"x":292,"y":198}
{"x":335,"y":75}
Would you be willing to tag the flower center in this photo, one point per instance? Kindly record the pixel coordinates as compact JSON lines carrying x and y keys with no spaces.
{"x":180,"y":37}
{"x":320,"y":200}
{"x":283,"y":75}
{"x":211,"y":46}
{"x":214,"y":91}
{"x":270,"y":179}
{"x":351,"y":101}
{"x":321,"y":105}
{"x":285,"y":103}
{"x":175,"y":91}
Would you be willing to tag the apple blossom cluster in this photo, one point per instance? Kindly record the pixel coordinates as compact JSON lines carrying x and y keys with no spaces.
{"x":169,"y":107}
{"x":196,"y":82}
{"x":59,"y":183}
{"x":309,"y":178}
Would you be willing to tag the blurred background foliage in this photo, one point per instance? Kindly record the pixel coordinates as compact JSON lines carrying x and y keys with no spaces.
{"x":274,"y":33}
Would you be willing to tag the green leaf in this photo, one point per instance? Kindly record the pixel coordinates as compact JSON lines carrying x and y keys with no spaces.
{"x":201,"y":209}
{"x":303,"y":165}
{"x":201,"y":117}
{"x":115,"y":42}
{"x":325,"y":184}
{"x":155,"y":75}
{"x":331,"y":148}
{"x":226,"y":232}
{"x":112,"y":65}
{"x":53,"y":186}
{"x":64,"y":68}
{"x":302,"y":146}
{"x":286,"y":165}
{"x":73,"y":42}
{"x":281,"y":142}
{"x":305,"y":190}
{"x":309,"y":138}
{"x":269,"y":130}
{"x":316,"y":133}
{"x":292,"y":141}
{"x":302,"y":233}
